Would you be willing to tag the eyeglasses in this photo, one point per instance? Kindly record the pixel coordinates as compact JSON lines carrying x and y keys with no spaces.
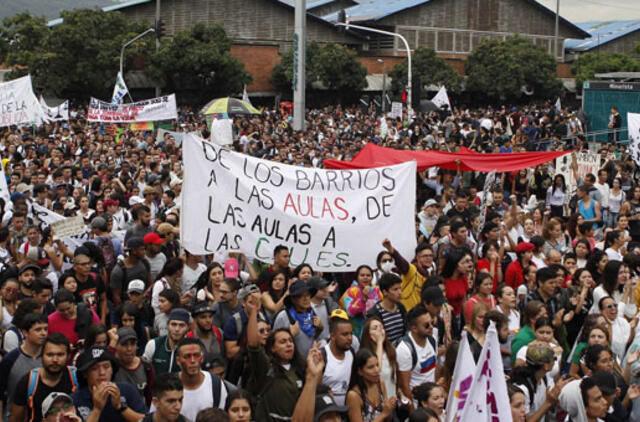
{"x":612,"y":306}
{"x":57,"y":410}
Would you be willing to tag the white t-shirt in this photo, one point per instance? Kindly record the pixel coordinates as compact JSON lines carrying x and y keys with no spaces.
{"x":337,"y":374}
{"x":190,"y":276}
{"x":613,"y":255}
{"x":425,"y":368}
{"x":539,"y":396}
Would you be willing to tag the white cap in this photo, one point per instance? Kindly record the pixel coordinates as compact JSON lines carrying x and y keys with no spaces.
{"x":136,"y":286}
{"x":135,"y":200}
{"x":522,"y":290}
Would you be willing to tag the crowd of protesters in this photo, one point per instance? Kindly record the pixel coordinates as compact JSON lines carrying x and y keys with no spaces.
{"x":124,"y":324}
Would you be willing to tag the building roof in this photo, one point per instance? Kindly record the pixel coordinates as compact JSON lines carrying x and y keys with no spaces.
{"x":311,"y":4}
{"x":601,"y":33}
{"x":374,"y":10}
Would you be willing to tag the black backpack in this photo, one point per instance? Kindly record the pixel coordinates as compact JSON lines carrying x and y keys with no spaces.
{"x":414,"y":353}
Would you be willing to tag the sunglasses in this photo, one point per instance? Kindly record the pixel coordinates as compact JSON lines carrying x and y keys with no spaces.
{"x":57,"y":410}
{"x":612,"y":306}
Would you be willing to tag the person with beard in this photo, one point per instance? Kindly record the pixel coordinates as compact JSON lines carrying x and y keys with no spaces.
{"x":24,"y":358}
{"x":209,"y":335}
{"x":133,"y":267}
{"x":53,"y":376}
{"x":168,"y":396}
{"x":338,"y":356}
{"x":141,"y":223}
{"x":101,"y":399}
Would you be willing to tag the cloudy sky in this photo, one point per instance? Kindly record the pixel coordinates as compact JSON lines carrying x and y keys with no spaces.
{"x":596,"y":10}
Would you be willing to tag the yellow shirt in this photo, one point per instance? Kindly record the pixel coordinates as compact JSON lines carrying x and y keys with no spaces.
{"x":412,"y":283}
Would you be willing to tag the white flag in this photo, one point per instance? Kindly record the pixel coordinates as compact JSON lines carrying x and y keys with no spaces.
{"x":119,"y":90}
{"x":222,"y":131}
{"x":633,"y":121}
{"x":462,"y":378}
{"x":55,"y":114}
{"x":245,"y":96}
{"x":558,"y":105}
{"x":441,"y":98}
{"x":488,"y":399}
{"x":4,"y":189}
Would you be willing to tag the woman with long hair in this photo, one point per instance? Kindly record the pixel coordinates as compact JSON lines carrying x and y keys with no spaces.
{"x":516,"y":401}
{"x":303,"y":272}
{"x":238,"y":406}
{"x":491,"y":262}
{"x":615,"y":282}
{"x":384,"y":265}
{"x":613,"y":245}
{"x":277,"y":290}
{"x":595,"y":334}
{"x":367,"y":396}
{"x":554,"y":237}
{"x":557,"y":197}
{"x":582,"y":249}
{"x":539,"y":220}
{"x":430,"y":395}
{"x":482,"y":287}
{"x":458,"y":267}
{"x":375,"y":339}
{"x":360,"y":297}
{"x":532,"y":311}
{"x":596,"y":263}
{"x":617,"y":197}
{"x":577,"y":301}
{"x":475,"y":328}
{"x":209,"y":282}
{"x":168,"y":278}
{"x":520,"y":186}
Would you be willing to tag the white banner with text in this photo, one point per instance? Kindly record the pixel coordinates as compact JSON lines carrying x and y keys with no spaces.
{"x":154,"y":109}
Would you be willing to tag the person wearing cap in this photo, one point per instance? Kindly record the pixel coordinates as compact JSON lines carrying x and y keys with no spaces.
{"x":514,"y":275}
{"x":153,"y":246}
{"x":428,"y":217}
{"x":110,"y":246}
{"x":53,"y":376}
{"x":131,"y":368}
{"x":101,"y":399}
{"x":135,"y":295}
{"x":390,"y":309}
{"x":322,"y":303}
{"x":313,"y":404}
{"x":171,"y":248}
{"x":299,"y":315}
{"x":276,"y":370}
{"x":133,"y":267}
{"x":26,"y":275}
{"x":141,"y":223}
{"x":433,"y":299}
{"x":532,"y":380}
{"x":18,"y":362}
{"x":168,"y":397}
{"x":161,"y":351}
{"x":209,"y":335}
{"x":58,"y":407}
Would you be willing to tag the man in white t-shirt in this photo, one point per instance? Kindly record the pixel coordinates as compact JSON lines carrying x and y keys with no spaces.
{"x":202,"y":390}
{"x":416,"y":352}
{"x":338,"y":356}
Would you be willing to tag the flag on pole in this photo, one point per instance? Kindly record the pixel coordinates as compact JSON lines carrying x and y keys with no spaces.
{"x":488,"y":399}
{"x":441,"y":98}
{"x":119,"y":90}
{"x":245,"y":96}
{"x":558,"y":105}
{"x":462,"y":378}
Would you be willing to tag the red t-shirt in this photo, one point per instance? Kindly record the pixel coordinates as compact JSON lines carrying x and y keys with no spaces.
{"x":456,"y":290}
{"x":468,"y":306}
{"x":57,"y":324}
{"x":514,"y":276}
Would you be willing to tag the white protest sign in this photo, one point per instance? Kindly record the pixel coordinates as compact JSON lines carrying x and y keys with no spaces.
{"x":18,"y":103}
{"x":177,"y":136}
{"x":588,"y":162}
{"x":441,"y":98}
{"x":55,"y":114}
{"x":488,"y":399}
{"x":48,"y":217}
{"x":161,"y":108}
{"x":222,"y":131}
{"x":334,"y":220}
{"x":72,"y":226}
{"x":633,"y":123}
{"x":396,"y":110}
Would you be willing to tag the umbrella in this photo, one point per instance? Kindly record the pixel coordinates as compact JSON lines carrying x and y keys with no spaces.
{"x":229,"y":106}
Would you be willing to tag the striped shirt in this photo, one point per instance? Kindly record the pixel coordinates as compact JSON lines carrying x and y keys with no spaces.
{"x":392,"y":322}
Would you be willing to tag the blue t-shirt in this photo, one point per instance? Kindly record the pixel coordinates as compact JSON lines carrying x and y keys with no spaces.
{"x":129,"y":396}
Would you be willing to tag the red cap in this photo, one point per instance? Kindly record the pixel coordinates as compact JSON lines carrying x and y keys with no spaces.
{"x":152,"y":239}
{"x":525,"y":247}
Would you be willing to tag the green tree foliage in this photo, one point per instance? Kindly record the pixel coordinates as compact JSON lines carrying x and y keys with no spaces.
{"x":335,"y":67}
{"x":77,"y":58}
{"x":433,"y":70}
{"x":498,"y":70}
{"x":199,"y":59}
{"x":588,"y":64}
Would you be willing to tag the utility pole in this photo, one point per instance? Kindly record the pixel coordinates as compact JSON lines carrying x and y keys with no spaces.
{"x":299,"y":60}
{"x":384,"y":85}
{"x":157,"y":41}
{"x":555,"y":40}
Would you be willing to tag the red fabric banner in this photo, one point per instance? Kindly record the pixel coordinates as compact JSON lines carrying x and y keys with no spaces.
{"x":374,"y":156}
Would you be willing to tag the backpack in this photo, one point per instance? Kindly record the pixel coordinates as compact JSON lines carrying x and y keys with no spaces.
{"x":108,"y":252}
{"x":148,"y":294}
{"x":414,"y":353}
{"x":34,"y":378}
{"x":125,"y":280}
{"x":216,"y":388}
{"x":323,"y":352}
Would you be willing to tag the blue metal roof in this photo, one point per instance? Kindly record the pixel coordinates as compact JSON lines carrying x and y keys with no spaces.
{"x":109,"y":8}
{"x":601,"y":33}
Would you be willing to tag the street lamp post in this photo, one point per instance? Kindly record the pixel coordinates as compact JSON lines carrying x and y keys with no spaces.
{"x":406,"y":46}
{"x":384,"y":84}
{"x":128,"y":43}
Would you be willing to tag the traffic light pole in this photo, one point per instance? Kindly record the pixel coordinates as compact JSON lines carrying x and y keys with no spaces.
{"x":128,"y":43}
{"x":157,"y":40}
{"x":406,"y":46}
{"x":299,"y":68}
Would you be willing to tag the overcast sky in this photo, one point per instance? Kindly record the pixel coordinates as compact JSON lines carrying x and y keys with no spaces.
{"x":596,"y":10}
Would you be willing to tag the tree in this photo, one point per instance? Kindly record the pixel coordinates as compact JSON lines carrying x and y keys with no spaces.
{"x":588,"y":64}
{"x":334,"y":66}
{"x":77,"y":58}
{"x":433,"y":70}
{"x":199,"y":59}
{"x":498,"y":70}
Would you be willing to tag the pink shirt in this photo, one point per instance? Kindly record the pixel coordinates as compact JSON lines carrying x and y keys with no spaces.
{"x":57,"y":324}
